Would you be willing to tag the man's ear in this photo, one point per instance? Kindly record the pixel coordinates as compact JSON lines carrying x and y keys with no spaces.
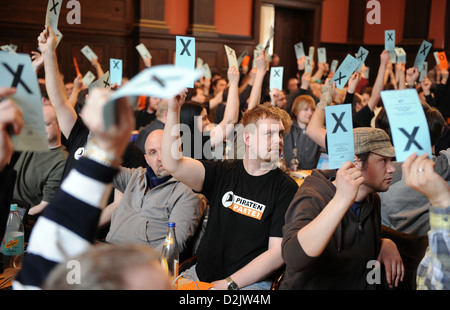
{"x":357,"y":162}
{"x":246,"y":137}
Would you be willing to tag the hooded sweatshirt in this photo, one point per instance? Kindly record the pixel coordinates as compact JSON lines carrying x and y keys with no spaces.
{"x":356,"y":241}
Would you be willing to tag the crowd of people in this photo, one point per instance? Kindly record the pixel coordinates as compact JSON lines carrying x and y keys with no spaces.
{"x":104,"y":199}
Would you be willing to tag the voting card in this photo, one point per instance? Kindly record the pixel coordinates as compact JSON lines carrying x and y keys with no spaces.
{"x":345,"y":70}
{"x":143,"y":51}
{"x":361,"y":56}
{"x":443,"y":63}
{"x":322,"y":55}
{"x":88,"y":52}
{"x":206,"y":71}
{"x":241,"y":57}
{"x":276,"y":78}
{"x":402,"y":106}
{"x":16,"y":71}
{"x":231,"y":55}
{"x":52,"y":15}
{"x":9,"y":48}
{"x":299,"y":50}
{"x":267,"y":46}
{"x":88,"y":78}
{"x":389,"y":43}
{"x":424,"y":71}
{"x":334,"y":65}
{"x":199,"y":63}
{"x":163,"y":81}
{"x":311,"y":52}
{"x":340,"y":141}
{"x":401,"y":55}
{"x":116,"y":71}
{"x":436,"y":57}
{"x":422,"y":54}
{"x":185,"y":55}
{"x":308,"y":65}
{"x":102,"y":82}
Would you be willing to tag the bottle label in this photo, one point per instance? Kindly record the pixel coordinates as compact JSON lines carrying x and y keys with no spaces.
{"x":13,"y":243}
{"x":168,"y":241}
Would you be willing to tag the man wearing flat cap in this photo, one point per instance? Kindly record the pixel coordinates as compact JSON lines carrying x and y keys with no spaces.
{"x":331,"y":239}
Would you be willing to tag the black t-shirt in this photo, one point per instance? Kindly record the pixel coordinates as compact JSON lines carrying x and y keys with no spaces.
{"x":75,"y":144}
{"x":245,"y":211}
{"x":143,"y":118}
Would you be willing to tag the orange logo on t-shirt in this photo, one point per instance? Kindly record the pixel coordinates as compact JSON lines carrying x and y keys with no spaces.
{"x":243,"y":206}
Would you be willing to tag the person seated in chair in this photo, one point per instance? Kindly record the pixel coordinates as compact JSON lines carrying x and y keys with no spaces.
{"x":147,"y":199}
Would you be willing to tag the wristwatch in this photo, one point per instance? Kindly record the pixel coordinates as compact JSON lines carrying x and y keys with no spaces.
{"x":232,"y":286}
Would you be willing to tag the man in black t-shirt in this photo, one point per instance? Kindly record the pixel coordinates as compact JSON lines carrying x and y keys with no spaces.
{"x":76,"y":134}
{"x":248,"y":198}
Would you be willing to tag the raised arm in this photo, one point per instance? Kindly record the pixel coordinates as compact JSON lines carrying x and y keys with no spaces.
{"x":54,"y":84}
{"x":315,"y":236}
{"x":231,"y":115}
{"x":187,"y":170}
{"x":378,"y":86}
{"x":261,"y":68}
{"x":11,"y":122}
{"x":68,"y":225}
{"x":316,"y":130}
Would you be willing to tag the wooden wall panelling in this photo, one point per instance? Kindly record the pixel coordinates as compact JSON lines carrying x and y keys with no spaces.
{"x":417,"y":21}
{"x":356,"y":21}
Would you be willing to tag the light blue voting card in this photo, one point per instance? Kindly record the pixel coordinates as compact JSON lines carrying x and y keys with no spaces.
{"x":361,"y":56}
{"x":115,"y":70}
{"x":345,"y":70}
{"x":409,"y":127}
{"x":340,"y":141}
{"x":16,"y":71}
{"x":422,"y":55}
{"x":276,"y":78}
{"x":185,"y":54}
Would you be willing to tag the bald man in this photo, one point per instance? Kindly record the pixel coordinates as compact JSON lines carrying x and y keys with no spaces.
{"x":147,"y":199}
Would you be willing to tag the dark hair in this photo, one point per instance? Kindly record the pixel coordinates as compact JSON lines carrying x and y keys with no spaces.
{"x":382,"y":122}
{"x":436,"y":123}
{"x":189,"y":110}
{"x":364,"y":158}
{"x":81,"y":100}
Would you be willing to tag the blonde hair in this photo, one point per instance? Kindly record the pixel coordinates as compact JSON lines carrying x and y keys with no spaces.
{"x":265,"y":111}
{"x":300,"y":102}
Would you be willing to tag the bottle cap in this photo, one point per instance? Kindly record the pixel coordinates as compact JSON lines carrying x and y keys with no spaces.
{"x":13,"y":207}
{"x":171,"y":224}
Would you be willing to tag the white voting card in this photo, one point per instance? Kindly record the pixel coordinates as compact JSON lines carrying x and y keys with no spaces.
{"x":299,"y":50}
{"x":231,"y":55}
{"x":88,"y":52}
{"x":143,"y":51}
{"x":163,"y":81}
{"x":88,"y":78}
{"x":322,"y":55}
{"x":52,"y":15}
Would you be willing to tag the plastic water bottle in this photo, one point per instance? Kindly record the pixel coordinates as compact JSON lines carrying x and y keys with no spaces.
{"x":13,"y":243}
{"x":293,"y":165}
{"x":170,"y":256}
